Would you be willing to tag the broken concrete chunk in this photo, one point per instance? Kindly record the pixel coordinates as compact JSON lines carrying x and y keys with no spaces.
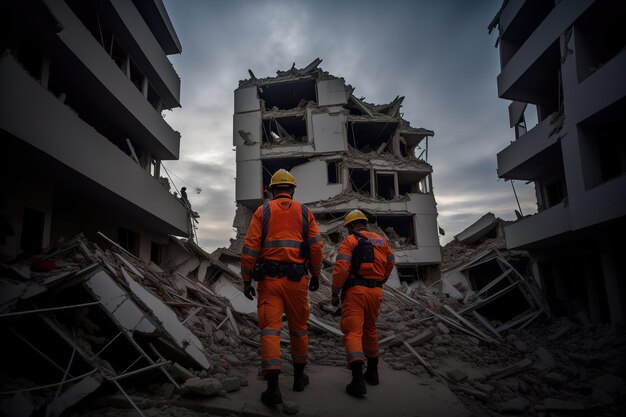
{"x":197,"y":386}
{"x":443,"y":328}
{"x":552,"y":404}
{"x":515,"y":405}
{"x":520,"y":346}
{"x":521,"y":366}
{"x":566,"y":327}
{"x":290,"y":408}
{"x":601,"y":397}
{"x":457,"y":375}
{"x":421,"y":338}
{"x":180,"y":371}
{"x":545,"y":357}
{"x":231,"y":384}
{"x":610,"y":383}
{"x":555,"y":378}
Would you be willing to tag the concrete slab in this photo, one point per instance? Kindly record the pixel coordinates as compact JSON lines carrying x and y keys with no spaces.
{"x":399,"y":394}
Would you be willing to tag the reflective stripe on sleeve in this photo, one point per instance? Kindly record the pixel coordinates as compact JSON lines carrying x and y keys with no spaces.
{"x":315,"y":239}
{"x":390,"y":258}
{"x":250,"y":252}
{"x":299,"y":334}
{"x":246,"y":271}
{"x":344,"y":257}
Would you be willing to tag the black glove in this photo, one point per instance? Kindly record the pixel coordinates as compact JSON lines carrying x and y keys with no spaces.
{"x":314,"y":284}
{"x":248,"y":290}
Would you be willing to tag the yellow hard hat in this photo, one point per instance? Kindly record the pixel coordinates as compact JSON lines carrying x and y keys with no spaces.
{"x":282,"y":177}
{"x":354,"y":215}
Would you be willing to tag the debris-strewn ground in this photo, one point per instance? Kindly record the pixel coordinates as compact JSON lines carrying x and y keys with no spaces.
{"x":553,"y":366}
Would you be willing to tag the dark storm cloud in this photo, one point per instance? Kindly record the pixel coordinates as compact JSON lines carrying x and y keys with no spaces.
{"x":436,"y":54}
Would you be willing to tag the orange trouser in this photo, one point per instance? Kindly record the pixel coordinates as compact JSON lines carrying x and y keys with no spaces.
{"x":359,"y":311}
{"x":278,"y":295}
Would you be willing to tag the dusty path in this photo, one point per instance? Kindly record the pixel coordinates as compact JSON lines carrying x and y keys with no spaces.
{"x":400,"y":394}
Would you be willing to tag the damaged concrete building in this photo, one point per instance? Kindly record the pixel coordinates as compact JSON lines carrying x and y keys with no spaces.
{"x":567,"y":60}
{"x":345,"y":154}
{"x":83,"y":87}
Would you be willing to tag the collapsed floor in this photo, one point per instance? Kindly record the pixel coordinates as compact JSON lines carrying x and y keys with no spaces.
{"x":88,"y":328}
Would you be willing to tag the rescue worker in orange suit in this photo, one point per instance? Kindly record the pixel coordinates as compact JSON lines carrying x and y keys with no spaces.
{"x":282,"y":243}
{"x":364,"y":262}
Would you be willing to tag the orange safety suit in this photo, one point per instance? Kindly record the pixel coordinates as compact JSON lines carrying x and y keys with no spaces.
{"x":360,"y":306}
{"x":281,"y":221}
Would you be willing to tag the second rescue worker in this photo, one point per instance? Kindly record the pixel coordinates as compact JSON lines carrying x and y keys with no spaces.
{"x":364,"y":262}
{"x":282,"y":242}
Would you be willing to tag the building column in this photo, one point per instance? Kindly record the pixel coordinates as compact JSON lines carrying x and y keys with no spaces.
{"x":614,"y":282}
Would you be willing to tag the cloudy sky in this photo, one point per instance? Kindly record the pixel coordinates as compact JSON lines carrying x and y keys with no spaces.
{"x":438,"y":54}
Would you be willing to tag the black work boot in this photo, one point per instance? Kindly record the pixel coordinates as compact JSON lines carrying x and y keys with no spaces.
{"x":272,"y":396}
{"x":371,"y":374}
{"x":300,"y":379}
{"x":357,"y":387}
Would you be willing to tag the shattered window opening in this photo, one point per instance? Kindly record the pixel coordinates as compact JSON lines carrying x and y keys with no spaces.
{"x":156,"y":253}
{"x":333,"y":171}
{"x":385,"y":186}
{"x":360,"y":181}
{"x":287,"y":95}
{"x":285,"y":130}
{"x":411,"y":273}
{"x":399,"y":229}
{"x":129,"y":240}
{"x":270,"y":166}
{"x":369,"y":136}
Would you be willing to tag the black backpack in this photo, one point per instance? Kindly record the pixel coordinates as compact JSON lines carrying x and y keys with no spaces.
{"x":363,"y":253}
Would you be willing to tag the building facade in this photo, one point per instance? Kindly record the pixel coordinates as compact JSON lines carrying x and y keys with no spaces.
{"x":567,"y":60}
{"x":83,"y":84}
{"x":345,"y":154}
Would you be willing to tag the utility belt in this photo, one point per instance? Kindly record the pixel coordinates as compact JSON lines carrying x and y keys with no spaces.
{"x":359,"y":280}
{"x":275,"y":269}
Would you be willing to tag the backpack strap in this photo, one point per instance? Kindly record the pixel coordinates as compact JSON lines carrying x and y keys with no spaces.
{"x":266,"y":221}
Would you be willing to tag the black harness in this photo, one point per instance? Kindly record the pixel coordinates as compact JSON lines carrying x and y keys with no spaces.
{"x":363,"y":253}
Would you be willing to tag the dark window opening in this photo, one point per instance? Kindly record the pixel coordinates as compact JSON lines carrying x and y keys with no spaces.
{"x":129,"y":240}
{"x":370,"y":136}
{"x":408,"y":183}
{"x":529,"y":17}
{"x":399,"y":229}
{"x":385,"y":186}
{"x":334,"y":175}
{"x":156,"y":253}
{"x":30,"y":54}
{"x":136,"y":77}
{"x":603,"y":145}
{"x":284,"y":130}
{"x":404,"y":151}
{"x":288,"y":95}
{"x":119,"y":55}
{"x":154,"y":99}
{"x":483,"y":274}
{"x":411,"y":273}
{"x":360,"y":181}
{"x":270,"y":166}
{"x":506,"y":307}
{"x":598,"y":44}
{"x":31,"y":239}
{"x":555,"y":192}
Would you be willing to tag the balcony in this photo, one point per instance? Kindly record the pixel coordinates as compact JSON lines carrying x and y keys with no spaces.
{"x":134,"y":33}
{"x":31,"y":113}
{"x":523,"y":62}
{"x":530,"y":231}
{"x":604,"y":87}
{"x":155,"y":15}
{"x":109,"y":91}
{"x":524,"y":158}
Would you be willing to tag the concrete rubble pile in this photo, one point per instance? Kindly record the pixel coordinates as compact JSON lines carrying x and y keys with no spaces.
{"x":86,"y":317}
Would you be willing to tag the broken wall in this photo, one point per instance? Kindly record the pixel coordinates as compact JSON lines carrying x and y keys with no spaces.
{"x":313,"y":182}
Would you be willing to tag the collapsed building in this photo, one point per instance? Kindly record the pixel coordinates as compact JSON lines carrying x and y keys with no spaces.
{"x":566,"y":61}
{"x":84,"y":84}
{"x":345,"y":153}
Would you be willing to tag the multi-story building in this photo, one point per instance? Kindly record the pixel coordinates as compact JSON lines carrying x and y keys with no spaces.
{"x":345,"y":154}
{"x":567,"y":59}
{"x":82,"y":87}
